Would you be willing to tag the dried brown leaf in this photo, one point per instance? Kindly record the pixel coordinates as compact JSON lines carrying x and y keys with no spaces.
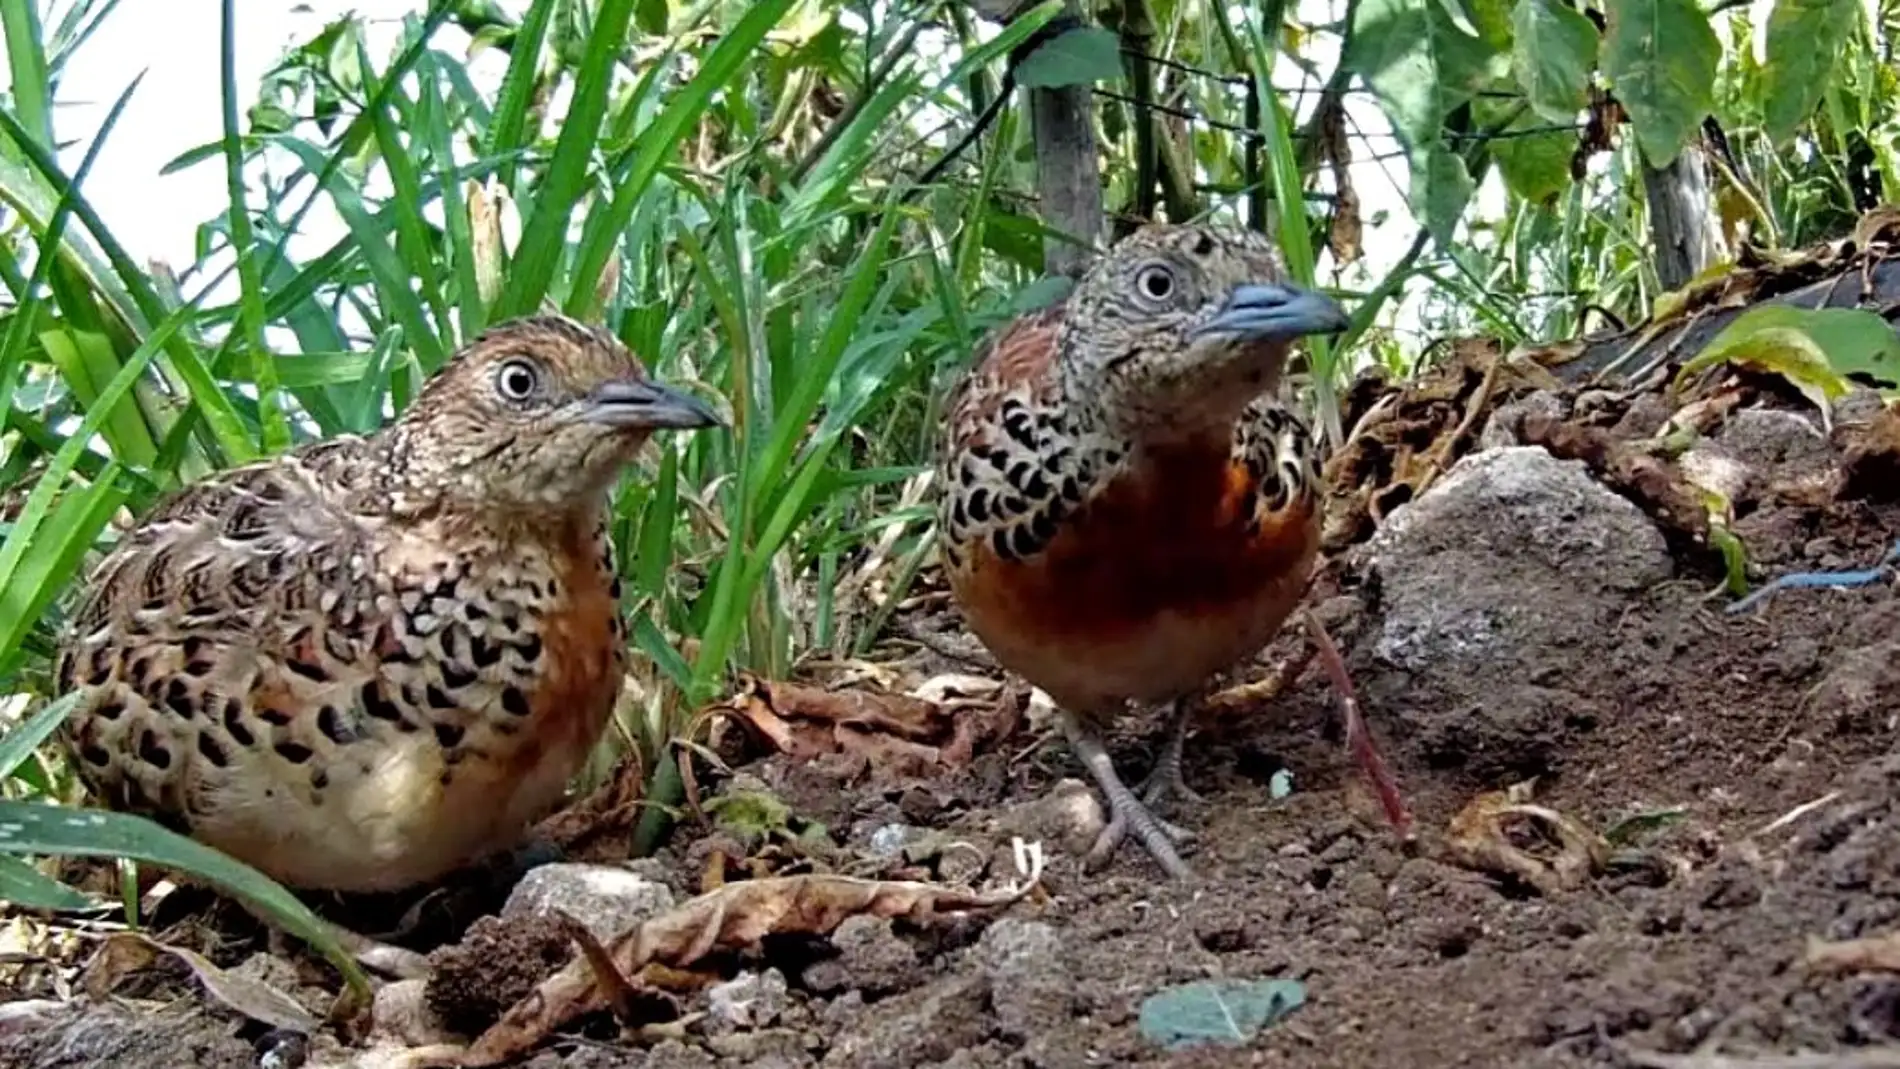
{"x":1480,"y":837}
{"x":734,"y":917}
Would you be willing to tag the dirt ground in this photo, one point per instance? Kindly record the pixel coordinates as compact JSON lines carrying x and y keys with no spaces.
{"x":1756,"y":750}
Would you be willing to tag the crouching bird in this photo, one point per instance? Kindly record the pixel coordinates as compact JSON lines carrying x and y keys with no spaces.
{"x":1127,"y":508}
{"x":369,"y":661}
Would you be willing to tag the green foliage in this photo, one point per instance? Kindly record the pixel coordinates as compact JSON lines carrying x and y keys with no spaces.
{"x":1814,"y":349}
{"x":1553,"y":54}
{"x":1805,"y":39}
{"x":1660,"y":56}
{"x":1078,"y":56}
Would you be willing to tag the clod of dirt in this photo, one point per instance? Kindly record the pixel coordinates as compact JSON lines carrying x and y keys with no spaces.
{"x":1783,"y":452}
{"x":402,"y":1013}
{"x":921,"y":1027}
{"x":128,"y":1035}
{"x":608,"y":899}
{"x":1031,"y":989}
{"x":1856,"y":696}
{"x":871,"y":957}
{"x":1498,"y":594}
{"x":1871,"y":467}
{"x":495,"y":966}
{"x":749,"y":1000}
{"x":1506,"y":425}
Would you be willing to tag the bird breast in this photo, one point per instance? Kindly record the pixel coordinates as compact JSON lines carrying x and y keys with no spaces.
{"x":1169,"y":572}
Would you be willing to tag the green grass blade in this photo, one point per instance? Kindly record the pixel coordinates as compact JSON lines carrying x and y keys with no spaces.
{"x":26,"y":66}
{"x":19,"y":744}
{"x":276,"y":428}
{"x":27,"y":887}
{"x":544,"y":229}
{"x":507,"y":130}
{"x":35,"y":828}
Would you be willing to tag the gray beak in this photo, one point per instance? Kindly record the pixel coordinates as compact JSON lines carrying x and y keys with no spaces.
{"x":647,"y":404}
{"x":1275,"y":311}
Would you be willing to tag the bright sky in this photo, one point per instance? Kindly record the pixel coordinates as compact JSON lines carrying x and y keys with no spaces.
{"x":176,"y":108}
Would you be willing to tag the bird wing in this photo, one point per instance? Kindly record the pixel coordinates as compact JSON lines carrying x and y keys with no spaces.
{"x":235,"y":603}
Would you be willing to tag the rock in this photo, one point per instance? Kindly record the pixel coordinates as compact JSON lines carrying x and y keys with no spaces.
{"x":1782,"y":452}
{"x":749,"y":1001}
{"x":401,"y":1012}
{"x":1030,"y":984}
{"x":1068,"y":818}
{"x":609,"y":899}
{"x":1498,"y":593}
{"x":870,"y":958}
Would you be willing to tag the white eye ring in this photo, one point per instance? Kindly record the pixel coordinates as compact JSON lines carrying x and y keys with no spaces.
{"x":517,"y":380}
{"x":1155,"y":282}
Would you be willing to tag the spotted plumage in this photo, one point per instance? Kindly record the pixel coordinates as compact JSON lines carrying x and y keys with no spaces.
{"x":1128,"y":506}
{"x":371,"y":660}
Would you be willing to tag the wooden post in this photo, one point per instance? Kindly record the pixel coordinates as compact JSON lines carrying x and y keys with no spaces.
{"x":1068,"y":163}
{"x":1682,"y":219}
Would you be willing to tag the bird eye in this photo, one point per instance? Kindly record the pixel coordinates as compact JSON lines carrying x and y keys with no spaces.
{"x":1155,"y":282}
{"x":517,"y":380}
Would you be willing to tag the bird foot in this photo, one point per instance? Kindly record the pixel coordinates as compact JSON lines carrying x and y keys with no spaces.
{"x":1157,"y":836}
{"x":1165,"y":778}
{"x":1127,"y":812}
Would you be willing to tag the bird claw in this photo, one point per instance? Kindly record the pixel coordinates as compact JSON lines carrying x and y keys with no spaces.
{"x":1157,"y":836}
{"x":1164,"y":781}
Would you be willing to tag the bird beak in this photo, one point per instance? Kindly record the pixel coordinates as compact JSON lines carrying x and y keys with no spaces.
{"x":644,"y":403}
{"x":1275,"y":311}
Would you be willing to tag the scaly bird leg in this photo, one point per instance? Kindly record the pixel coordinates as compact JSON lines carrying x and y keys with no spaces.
{"x":1165,"y":778}
{"x":1358,"y":738}
{"x":1127,"y":812}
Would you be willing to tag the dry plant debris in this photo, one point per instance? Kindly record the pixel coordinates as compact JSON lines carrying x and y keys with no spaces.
{"x":1485,"y":836}
{"x":124,"y":953}
{"x":890,"y":735}
{"x":734,"y":917}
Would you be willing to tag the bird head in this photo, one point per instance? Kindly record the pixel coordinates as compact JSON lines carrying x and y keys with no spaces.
{"x":538,"y":412}
{"x":1178,"y":327}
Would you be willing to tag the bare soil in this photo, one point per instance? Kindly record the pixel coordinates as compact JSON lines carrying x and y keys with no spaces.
{"x":1772,"y":731}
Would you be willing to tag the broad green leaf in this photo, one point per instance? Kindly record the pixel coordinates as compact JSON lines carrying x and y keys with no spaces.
{"x":1804,"y":39}
{"x":1535,"y":166}
{"x":1660,"y":57}
{"x":1228,"y":1013}
{"x":1421,"y":66}
{"x":1080,"y":56}
{"x":1553,"y":53}
{"x":24,"y":885}
{"x":1817,"y":349}
{"x":37,"y":828}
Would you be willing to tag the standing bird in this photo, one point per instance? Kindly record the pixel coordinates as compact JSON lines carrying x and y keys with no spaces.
{"x":1127,"y":508}
{"x":370,"y":661}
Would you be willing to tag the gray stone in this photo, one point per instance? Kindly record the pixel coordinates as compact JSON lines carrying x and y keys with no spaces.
{"x":1498,"y":595}
{"x":749,"y":1000}
{"x":1030,"y":983}
{"x":607,"y":899}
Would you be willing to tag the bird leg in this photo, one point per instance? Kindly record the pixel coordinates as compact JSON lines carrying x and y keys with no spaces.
{"x":1128,"y":813}
{"x":1358,"y":738}
{"x":1165,"y":778}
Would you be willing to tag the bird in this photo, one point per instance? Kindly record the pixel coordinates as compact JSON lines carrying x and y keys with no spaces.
{"x":368,"y":661}
{"x":1127,"y":506}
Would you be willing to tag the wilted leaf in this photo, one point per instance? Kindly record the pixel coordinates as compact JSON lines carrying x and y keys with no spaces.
{"x":1080,"y":56}
{"x":734,"y":917}
{"x":1554,"y":51}
{"x":1485,"y":836}
{"x":1804,"y":39}
{"x":896,"y":735}
{"x":1220,"y":1012}
{"x":1660,"y":58}
{"x":1816,"y":350}
{"x":123,"y":953}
